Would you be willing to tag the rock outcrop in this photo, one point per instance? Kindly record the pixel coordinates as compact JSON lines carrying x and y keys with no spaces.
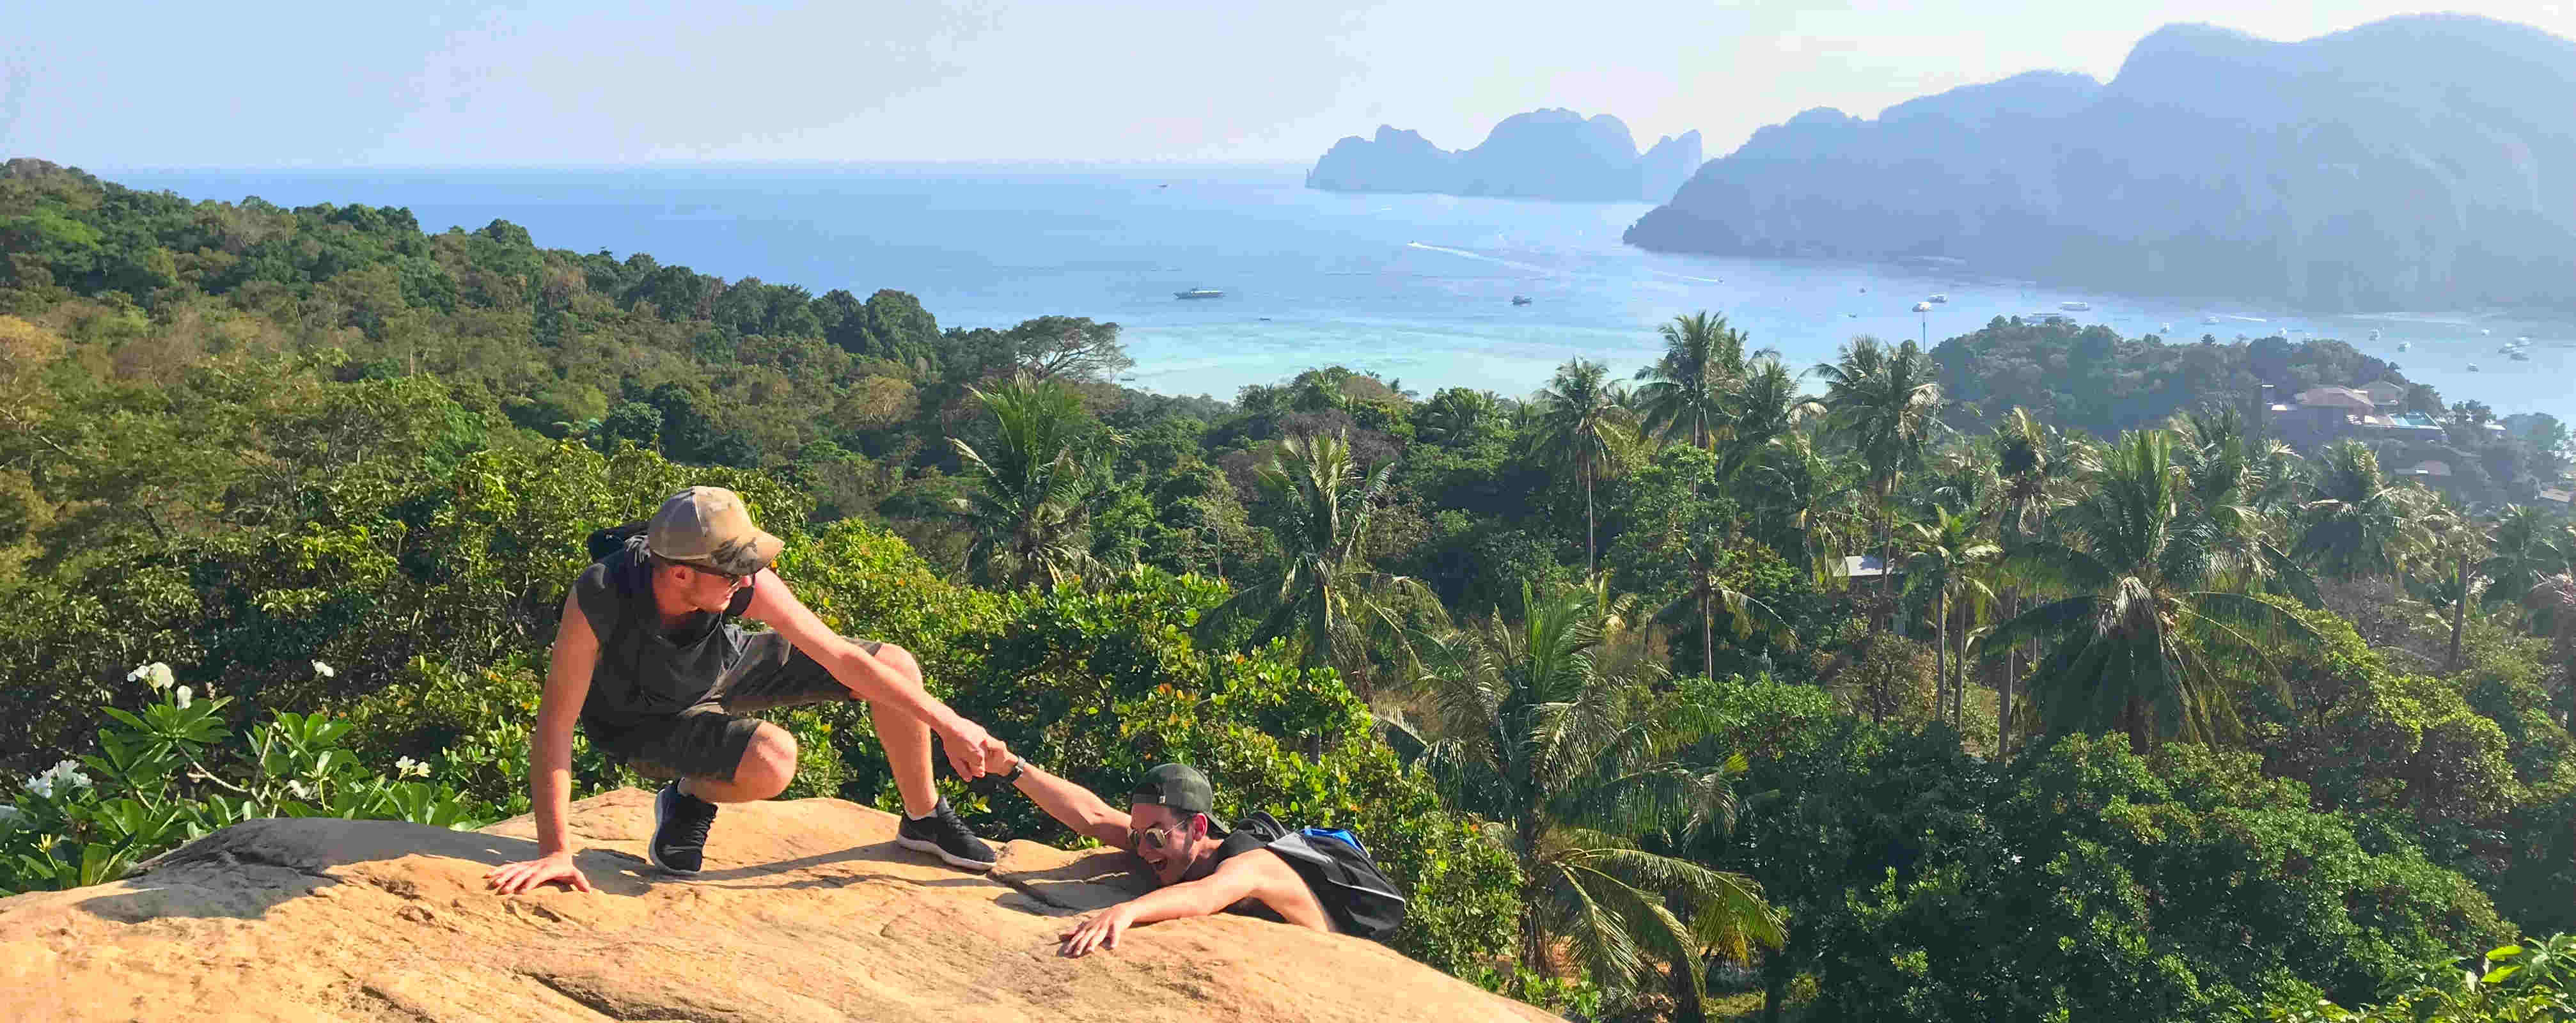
{"x":1544,"y":154}
{"x":2417,"y":162}
{"x":807,"y":911}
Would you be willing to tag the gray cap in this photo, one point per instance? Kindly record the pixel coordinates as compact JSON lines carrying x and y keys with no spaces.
{"x":1180,"y":787}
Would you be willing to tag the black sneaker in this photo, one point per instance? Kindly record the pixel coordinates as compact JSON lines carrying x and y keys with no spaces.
{"x":680,"y":823}
{"x":942,"y":834}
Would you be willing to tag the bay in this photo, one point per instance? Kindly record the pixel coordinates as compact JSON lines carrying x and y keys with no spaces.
{"x":1417,"y":288}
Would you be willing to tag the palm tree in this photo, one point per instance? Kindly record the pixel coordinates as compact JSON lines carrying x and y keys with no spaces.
{"x":2529,"y":547}
{"x":1322,"y":506}
{"x":1703,"y":565}
{"x":1568,"y":767}
{"x":1687,"y":390}
{"x":2460,"y":544}
{"x":2133,"y":642}
{"x":1030,"y":508}
{"x":2553,"y":600}
{"x":1765,"y":409}
{"x":1583,"y":428}
{"x":1455,"y":414}
{"x":2356,"y":522}
{"x":1885,"y":403}
{"x":2244,"y":487}
{"x":1947,"y":557}
{"x":2030,"y":483}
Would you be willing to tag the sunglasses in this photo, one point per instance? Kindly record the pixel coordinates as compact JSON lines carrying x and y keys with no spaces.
{"x":1153,"y":837}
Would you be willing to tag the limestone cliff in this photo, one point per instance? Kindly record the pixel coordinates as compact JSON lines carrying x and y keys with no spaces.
{"x":807,"y":911}
{"x":2416,"y":162}
{"x":1543,"y":154}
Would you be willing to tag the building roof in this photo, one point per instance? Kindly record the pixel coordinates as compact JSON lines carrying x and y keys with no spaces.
{"x":2431,"y":468}
{"x":2337,"y":397}
{"x":1866,"y":566}
{"x":2385,"y":394}
{"x":2559,"y":496}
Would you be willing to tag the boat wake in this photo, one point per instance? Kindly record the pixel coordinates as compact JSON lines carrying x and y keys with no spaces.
{"x":1531,"y":267}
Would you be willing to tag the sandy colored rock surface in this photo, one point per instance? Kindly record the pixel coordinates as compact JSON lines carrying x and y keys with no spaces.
{"x":807,"y":911}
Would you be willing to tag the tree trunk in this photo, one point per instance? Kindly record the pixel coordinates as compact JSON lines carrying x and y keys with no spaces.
{"x":1707,"y":634}
{"x":1533,"y":944}
{"x":1686,"y":1000}
{"x":1591,"y":527}
{"x":2459,"y":615}
{"x":2004,"y":688}
{"x":1940,"y":649}
{"x":2134,"y":715}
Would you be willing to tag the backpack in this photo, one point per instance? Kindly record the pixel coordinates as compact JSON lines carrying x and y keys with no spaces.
{"x":608,"y":540}
{"x":1339,"y":869}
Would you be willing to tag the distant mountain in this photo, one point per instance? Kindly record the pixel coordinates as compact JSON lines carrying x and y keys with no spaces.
{"x":2417,"y":162}
{"x":1544,"y":154}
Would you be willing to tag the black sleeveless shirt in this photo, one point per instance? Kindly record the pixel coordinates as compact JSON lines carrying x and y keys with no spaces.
{"x":643,"y":670}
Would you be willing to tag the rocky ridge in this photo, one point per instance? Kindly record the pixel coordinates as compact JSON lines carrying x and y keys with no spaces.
{"x":807,"y":911}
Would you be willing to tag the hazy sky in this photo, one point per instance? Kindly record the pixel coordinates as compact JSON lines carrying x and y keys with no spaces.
{"x":122,"y":85}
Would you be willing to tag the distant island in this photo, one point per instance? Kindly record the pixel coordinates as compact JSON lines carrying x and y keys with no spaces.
{"x":1543,"y":154}
{"x":2416,"y":162}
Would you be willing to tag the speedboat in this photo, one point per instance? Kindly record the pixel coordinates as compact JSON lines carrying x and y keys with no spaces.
{"x":1938,"y":299}
{"x":2484,"y":331}
{"x":1199,"y":293}
{"x":1520,"y":300}
{"x":2209,"y":321}
{"x":2374,"y":333}
{"x":2074,"y":307}
{"x":2166,"y":329}
{"x":1923,"y":307}
{"x":2473,"y":367}
{"x":2405,"y":345}
{"x":2520,"y":356}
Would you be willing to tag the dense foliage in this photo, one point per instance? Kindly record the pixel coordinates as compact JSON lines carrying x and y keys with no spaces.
{"x":2177,"y":722}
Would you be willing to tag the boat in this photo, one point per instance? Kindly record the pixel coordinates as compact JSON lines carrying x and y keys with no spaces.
{"x":1923,"y":307}
{"x":1520,"y":300}
{"x":2473,"y":367}
{"x":2405,"y":345}
{"x":1938,"y":299}
{"x":2209,"y":321}
{"x":1199,"y":293}
{"x":2374,"y":333}
{"x":2074,"y":307}
{"x":2484,"y":331}
{"x":2166,"y":329}
{"x":2520,"y":356}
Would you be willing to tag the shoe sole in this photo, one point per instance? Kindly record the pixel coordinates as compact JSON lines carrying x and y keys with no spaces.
{"x":653,"y":855}
{"x":954,"y":860}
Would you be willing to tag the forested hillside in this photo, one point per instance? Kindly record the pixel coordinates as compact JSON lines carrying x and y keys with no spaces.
{"x":2158,"y":718}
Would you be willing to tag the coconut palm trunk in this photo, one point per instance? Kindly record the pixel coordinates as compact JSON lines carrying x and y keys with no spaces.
{"x":2459,"y":615}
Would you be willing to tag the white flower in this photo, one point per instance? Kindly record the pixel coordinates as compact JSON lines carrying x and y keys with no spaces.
{"x":410,"y":768}
{"x":300,"y":791}
{"x":184,"y":696}
{"x":324,"y":670}
{"x":61,"y":777}
{"x":156,"y":674}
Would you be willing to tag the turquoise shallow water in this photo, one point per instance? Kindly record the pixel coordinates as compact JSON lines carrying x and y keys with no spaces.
{"x":1417,"y":287}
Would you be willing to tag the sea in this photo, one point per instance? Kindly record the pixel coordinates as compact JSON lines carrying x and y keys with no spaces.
{"x":1417,"y":288}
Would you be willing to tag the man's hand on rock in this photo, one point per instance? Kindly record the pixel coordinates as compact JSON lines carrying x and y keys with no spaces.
{"x":1097,"y":931}
{"x":513,"y":878}
{"x":974,"y":751}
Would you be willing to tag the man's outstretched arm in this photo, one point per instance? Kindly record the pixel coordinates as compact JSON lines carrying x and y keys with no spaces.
{"x":1259,"y":875}
{"x":1074,"y":806}
{"x":576,"y":652}
{"x":971,"y":750}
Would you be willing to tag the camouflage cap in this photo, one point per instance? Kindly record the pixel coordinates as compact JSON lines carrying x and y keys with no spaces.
{"x":708,"y":527}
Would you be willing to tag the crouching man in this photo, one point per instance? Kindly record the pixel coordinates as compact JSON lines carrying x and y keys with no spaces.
{"x":1312,"y":877}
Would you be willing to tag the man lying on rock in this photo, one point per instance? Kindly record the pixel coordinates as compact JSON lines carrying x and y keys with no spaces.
{"x":646,"y":661}
{"x":1314,"y":877}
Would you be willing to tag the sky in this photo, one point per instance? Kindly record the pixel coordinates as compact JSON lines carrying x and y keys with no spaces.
{"x":434,"y":84}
